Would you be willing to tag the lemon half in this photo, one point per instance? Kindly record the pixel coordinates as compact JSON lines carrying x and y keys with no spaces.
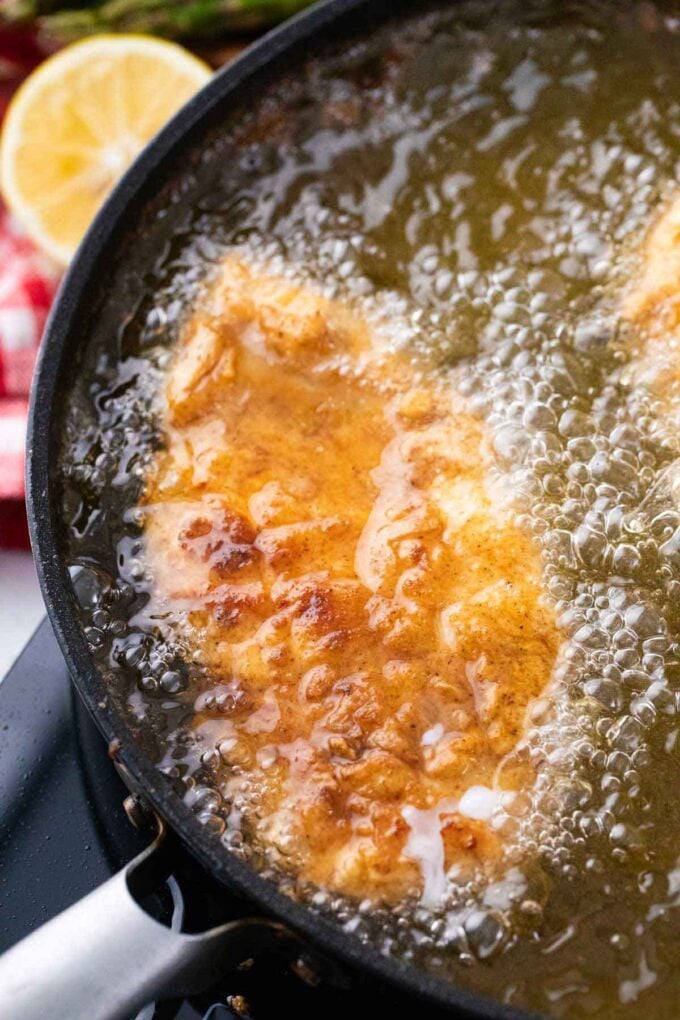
{"x":77,"y":123}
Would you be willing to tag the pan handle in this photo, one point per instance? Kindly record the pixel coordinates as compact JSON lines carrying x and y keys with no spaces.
{"x":104,"y":958}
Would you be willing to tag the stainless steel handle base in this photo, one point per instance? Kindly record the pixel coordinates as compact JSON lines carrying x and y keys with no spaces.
{"x":105,"y":957}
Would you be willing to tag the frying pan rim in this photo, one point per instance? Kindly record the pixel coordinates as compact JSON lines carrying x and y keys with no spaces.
{"x":333,"y":18}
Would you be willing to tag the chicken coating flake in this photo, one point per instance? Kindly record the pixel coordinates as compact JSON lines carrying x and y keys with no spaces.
{"x":653,"y":306}
{"x":370,"y":617}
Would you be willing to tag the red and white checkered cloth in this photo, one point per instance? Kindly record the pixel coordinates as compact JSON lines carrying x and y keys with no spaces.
{"x":28,"y":283}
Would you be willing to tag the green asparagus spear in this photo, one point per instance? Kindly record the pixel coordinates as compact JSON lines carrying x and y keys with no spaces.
{"x":171,"y":18}
{"x":29,"y":10}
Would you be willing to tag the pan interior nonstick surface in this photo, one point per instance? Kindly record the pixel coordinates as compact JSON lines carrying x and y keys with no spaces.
{"x":485,"y":174}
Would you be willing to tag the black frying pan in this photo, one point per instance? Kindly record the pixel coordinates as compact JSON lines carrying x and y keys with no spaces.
{"x":105,"y":956}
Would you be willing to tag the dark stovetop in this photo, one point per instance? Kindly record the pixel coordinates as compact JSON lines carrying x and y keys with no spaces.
{"x":63,"y":831}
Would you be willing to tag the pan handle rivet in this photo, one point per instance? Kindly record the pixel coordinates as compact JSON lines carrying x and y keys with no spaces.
{"x":136,"y":810}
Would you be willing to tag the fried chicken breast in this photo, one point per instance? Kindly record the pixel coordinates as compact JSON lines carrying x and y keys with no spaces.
{"x":653,"y":306}
{"x":369,"y":615}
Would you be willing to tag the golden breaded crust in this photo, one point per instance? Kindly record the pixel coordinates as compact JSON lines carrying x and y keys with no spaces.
{"x":656,"y":292}
{"x":652,"y":304}
{"x":371,"y":618}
